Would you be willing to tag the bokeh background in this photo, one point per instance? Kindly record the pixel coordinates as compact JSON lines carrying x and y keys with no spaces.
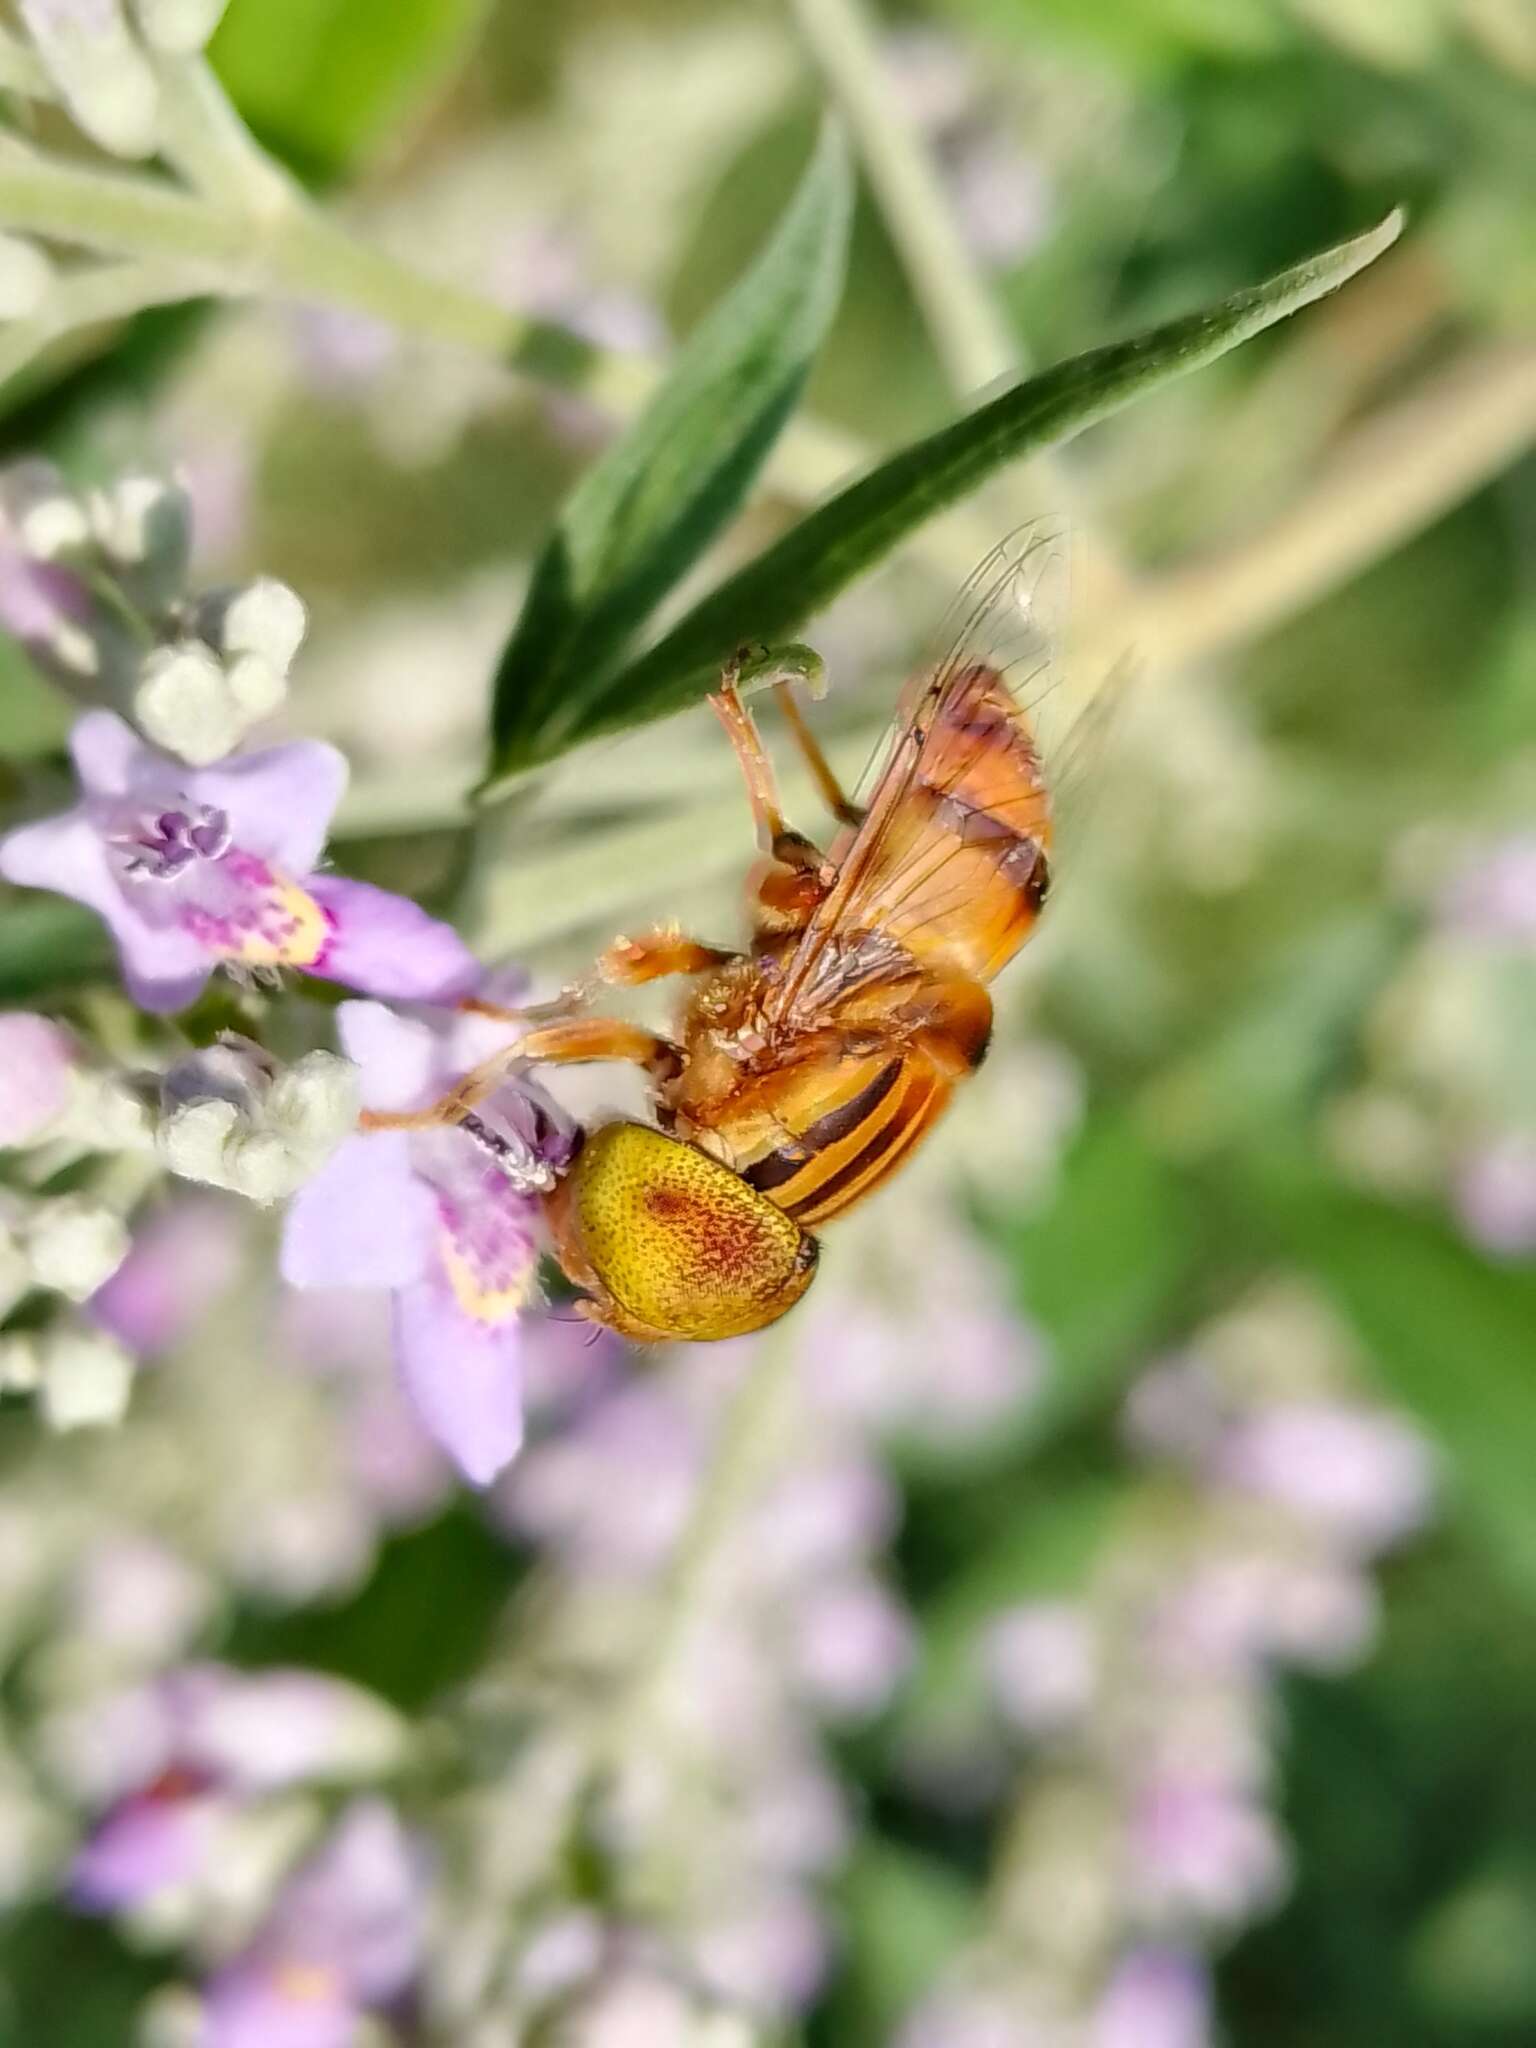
{"x":1124,"y":1596}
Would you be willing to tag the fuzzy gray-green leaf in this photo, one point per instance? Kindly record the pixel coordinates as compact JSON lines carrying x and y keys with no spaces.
{"x":643,"y":513}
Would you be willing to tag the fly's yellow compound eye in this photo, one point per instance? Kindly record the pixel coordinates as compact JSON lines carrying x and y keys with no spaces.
{"x":674,"y":1244}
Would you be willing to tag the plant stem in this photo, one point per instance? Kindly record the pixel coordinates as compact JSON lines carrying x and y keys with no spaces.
{"x":1388,"y":480}
{"x":973,"y":342}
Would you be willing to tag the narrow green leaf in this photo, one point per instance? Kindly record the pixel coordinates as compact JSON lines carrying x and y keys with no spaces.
{"x":642,"y":515}
{"x":772,"y":596}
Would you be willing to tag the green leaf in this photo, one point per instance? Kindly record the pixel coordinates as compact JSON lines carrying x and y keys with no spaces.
{"x":1452,"y":1337}
{"x":642,"y":515}
{"x":48,"y":946}
{"x":328,"y":81}
{"x":1099,"y":1268}
{"x":772,"y":596}
{"x":903,"y":1917}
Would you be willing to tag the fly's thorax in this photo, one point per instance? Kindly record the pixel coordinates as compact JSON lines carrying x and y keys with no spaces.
{"x":671,"y":1243}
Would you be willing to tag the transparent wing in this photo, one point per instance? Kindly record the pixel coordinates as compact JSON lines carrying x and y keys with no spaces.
{"x":951,"y":861}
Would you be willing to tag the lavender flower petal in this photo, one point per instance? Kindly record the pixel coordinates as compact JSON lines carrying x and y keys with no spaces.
{"x":387,"y":945}
{"x":463,"y":1376}
{"x":364,"y":1220}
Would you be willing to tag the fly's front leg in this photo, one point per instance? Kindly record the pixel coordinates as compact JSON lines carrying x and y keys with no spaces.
{"x":602,"y":1038}
{"x":775,"y":835}
{"x":654,"y":955}
{"x":780,"y":669}
{"x":574,"y":1039}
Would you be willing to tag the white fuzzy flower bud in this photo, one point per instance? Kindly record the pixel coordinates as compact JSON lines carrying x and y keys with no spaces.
{"x":49,"y":519}
{"x":265,"y":618}
{"x":235,"y":1121}
{"x":15,"y":1270}
{"x":185,"y":705}
{"x":105,"y":1113}
{"x":86,"y":1379}
{"x":26,"y":278}
{"x":256,"y":687}
{"x":102,"y":74}
{"x":21,"y":1363}
{"x":179,"y":27}
{"x":193,"y":1137}
{"x":143,"y":525}
{"x":315,"y":1102}
{"x":74,"y":1245}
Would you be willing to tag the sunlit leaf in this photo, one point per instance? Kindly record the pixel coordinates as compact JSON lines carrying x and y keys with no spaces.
{"x":327,"y":81}
{"x":773,"y":595}
{"x":644,"y":512}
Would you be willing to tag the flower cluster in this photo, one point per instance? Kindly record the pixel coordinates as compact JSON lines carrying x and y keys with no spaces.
{"x":203,"y":853}
{"x":1148,"y":1701}
{"x":1447,"y":1108}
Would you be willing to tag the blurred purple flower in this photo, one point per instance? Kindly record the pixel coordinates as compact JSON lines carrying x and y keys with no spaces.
{"x":177,"y":1759}
{"x":852,"y":1644}
{"x":1236,"y":1610}
{"x":343,"y":1940}
{"x":1200,"y":1849}
{"x":36,"y":1061}
{"x":770,"y":1958}
{"x":1042,"y":1663}
{"x":614,"y":1493}
{"x":1156,"y":1998}
{"x":194,"y":868}
{"x":183,"y":1258}
{"x":1363,"y":1475}
{"x":1494,"y":897}
{"x":438,"y":1219}
{"x":1495,"y":1196}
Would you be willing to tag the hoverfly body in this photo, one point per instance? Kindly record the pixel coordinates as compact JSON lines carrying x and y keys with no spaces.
{"x":806,"y":1069}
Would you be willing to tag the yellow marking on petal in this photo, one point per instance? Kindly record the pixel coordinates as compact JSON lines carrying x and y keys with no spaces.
{"x":305,"y":1983}
{"x":295,"y":930}
{"x":483,"y":1304}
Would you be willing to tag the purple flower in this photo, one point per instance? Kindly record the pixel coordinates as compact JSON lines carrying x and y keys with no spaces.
{"x":437,"y":1217}
{"x":175,"y":1761}
{"x":183,"y":1258}
{"x":36,"y":1060}
{"x":194,"y":868}
{"x":1495,"y":1197}
{"x":1042,"y":1663}
{"x":1495,"y":897}
{"x":1156,"y":1998}
{"x":343,"y":1939}
{"x":1202,"y":1849}
{"x":1361,"y":1475}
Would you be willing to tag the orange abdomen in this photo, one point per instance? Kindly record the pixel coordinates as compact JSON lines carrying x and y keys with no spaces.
{"x":870,"y":1116}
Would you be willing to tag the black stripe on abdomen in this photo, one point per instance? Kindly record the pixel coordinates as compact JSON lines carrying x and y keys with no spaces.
{"x":776,"y":1169}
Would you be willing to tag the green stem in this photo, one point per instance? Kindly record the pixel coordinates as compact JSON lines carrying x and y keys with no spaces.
{"x":972,"y":339}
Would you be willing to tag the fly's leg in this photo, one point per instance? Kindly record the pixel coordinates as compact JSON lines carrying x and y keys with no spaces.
{"x":833,"y":795}
{"x":779,"y":669}
{"x":571,"y":1040}
{"x":654,"y":955}
{"x":774,"y":834}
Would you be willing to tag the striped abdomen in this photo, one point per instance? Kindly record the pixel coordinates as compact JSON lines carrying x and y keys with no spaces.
{"x":869,"y":1117}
